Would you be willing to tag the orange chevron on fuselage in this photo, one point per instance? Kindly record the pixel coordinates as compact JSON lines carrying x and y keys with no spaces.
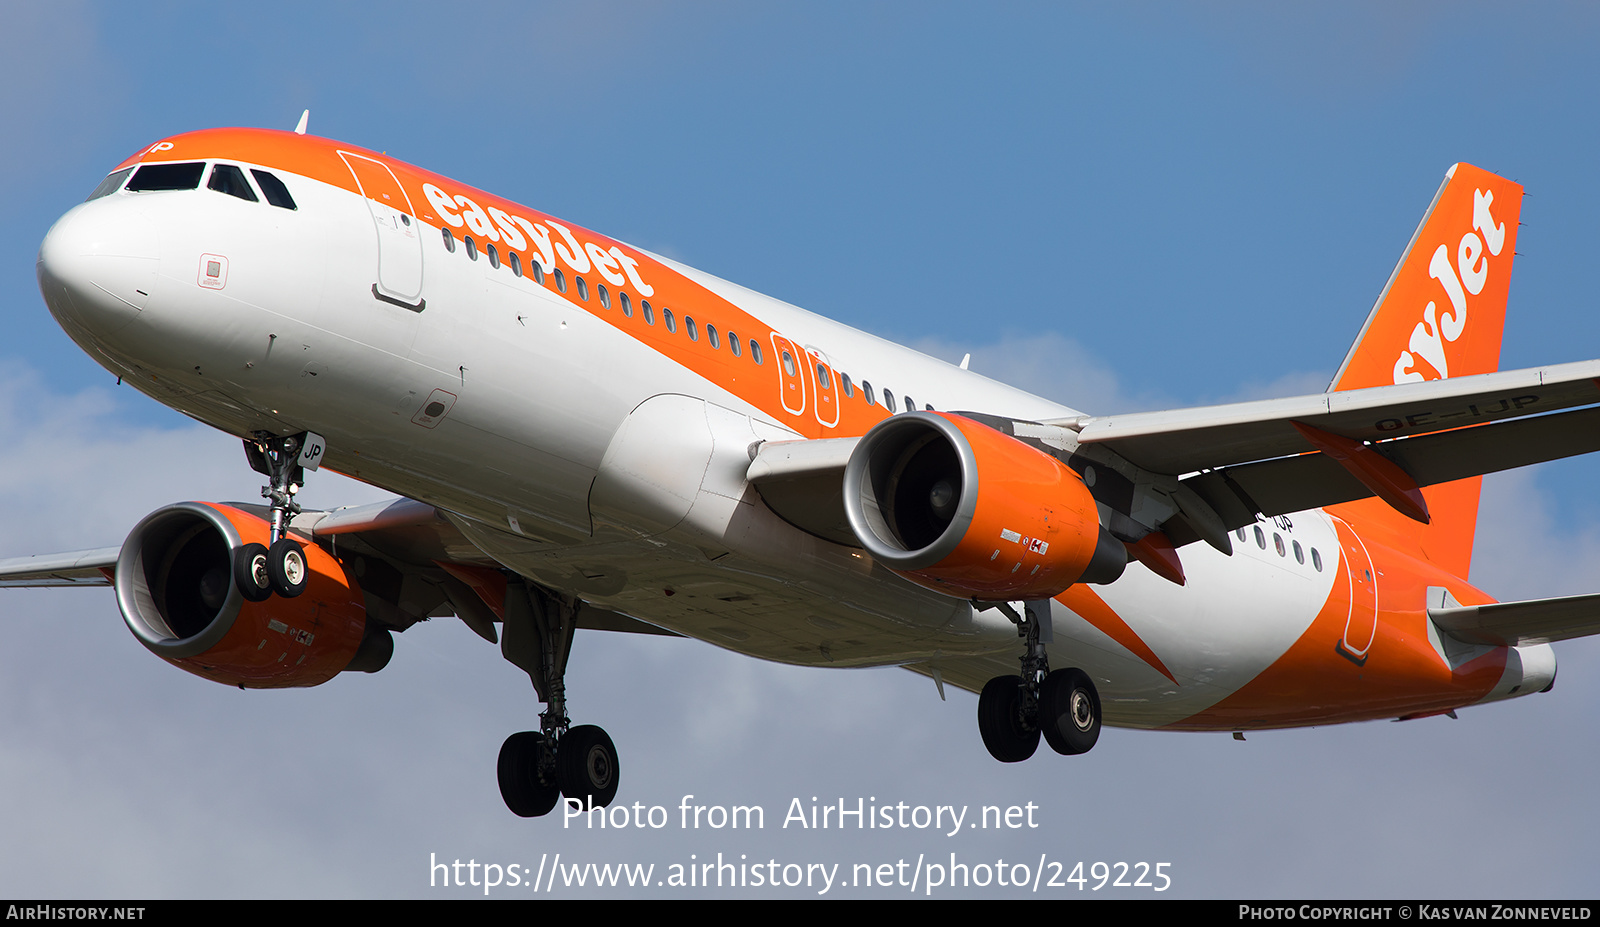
{"x":1401,"y":670}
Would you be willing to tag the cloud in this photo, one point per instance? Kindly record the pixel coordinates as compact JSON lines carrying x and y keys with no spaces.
{"x":1050,"y":365}
{"x":1061,"y":368}
{"x":80,"y":477}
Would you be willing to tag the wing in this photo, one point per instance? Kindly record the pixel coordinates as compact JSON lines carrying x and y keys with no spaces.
{"x":1268,"y":458}
{"x":1188,"y":440}
{"x":416,"y":564}
{"x":1277,"y":456}
{"x":75,"y":568}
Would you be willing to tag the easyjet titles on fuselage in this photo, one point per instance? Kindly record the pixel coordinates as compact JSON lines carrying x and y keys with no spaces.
{"x":495,"y":224}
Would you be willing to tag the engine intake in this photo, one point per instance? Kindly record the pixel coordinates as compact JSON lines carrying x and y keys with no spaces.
{"x":958,"y":507}
{"x":175,"y":587}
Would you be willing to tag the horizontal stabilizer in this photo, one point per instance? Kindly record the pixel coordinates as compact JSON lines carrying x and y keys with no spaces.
{"x":1536,"y":621}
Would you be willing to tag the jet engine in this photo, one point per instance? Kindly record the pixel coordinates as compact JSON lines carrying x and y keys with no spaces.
{"x":177,"y":589}
{"x":962,"y":509}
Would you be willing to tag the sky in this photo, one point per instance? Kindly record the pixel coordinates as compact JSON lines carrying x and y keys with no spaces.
{"x":1118,"y":206}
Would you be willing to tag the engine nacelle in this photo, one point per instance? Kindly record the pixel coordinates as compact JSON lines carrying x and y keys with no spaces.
{"x":960,"y":508}
{"x":175,"y":586}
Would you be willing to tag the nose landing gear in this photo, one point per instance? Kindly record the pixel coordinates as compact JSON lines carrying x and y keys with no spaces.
{"x":259,"y":571}
{"x":1015,"y":711}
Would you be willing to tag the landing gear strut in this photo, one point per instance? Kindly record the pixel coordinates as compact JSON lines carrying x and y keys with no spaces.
{"x":281,"y":567}
{"x":1014,"y":711}
{"x":537,"y":767}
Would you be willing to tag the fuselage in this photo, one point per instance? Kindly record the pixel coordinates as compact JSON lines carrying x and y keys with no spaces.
{"x":585,"y":411}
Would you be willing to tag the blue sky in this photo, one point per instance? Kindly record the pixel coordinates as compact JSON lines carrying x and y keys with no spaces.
{"x":1119,"y":207}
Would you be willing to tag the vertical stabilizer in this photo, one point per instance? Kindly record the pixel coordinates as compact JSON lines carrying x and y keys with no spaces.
{"x":1441,"y":315}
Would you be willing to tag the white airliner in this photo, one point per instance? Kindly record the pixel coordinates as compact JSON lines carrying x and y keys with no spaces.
{"x":592,"y":436}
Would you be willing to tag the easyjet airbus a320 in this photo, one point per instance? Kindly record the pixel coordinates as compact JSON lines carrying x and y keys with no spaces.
{"x":588,"y":435}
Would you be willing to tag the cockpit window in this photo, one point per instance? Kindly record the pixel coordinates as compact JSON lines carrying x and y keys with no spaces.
{"x":273,"y":189}
{"x":111,"y":184}
{"x":227,"y":178}
{"x":185,"y":176}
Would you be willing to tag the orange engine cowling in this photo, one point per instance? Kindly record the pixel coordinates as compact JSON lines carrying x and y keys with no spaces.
{"x":175,"y":586}
{"x":960,"y":508}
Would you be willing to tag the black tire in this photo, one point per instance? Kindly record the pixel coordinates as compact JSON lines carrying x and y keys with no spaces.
{"x":287,"y":568}
{"x":524,"y":792}
{"x":586,"y":766}
{"x":1069,"y":711}
{"x":250,"y":573}
{"x":1000,"y":722}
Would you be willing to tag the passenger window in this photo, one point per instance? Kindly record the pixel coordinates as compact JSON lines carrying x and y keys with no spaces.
{"x":152,"y":177}
{"x":691,"y":328}
{"x":1277,"y":541}
{"x":1299,"y":554}
{"x":928,"y":406}
{"x":649,"y":314}
{"x":516,"y":264}
{"x":866,"y":392}
{"x":538,"y":271}
{"x":583,"y":288}
{"x":494,"y":256}
{"x":627,"y":304}
{"x":911,"y":404}
{"x":755,"y":351}
{"x":111,"y":184}
{"x":273,"y":189}
{"x":733,"y":343}
{"x":472,"y":247}
{"x":561,"y":280}
{"x":711,"y":336}
{"x":788,"y":364}
{"x":668,"y":320}
{"x":888,"y":401}
{"x":605,"y":296}
{"x":1261,"y":539}
{"x":449,"y":241}
{"x":227,"y":178}
{"x":1316,"y":559}
{"x":844,"y":383}
{"x":1240,"y":533}
{"x":823,"y":380}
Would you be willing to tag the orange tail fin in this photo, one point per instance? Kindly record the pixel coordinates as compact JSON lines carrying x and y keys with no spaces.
{"x":1441,"y":315}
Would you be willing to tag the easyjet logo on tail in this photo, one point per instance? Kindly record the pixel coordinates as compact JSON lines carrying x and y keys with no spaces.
{"x":1466,"y":277}
{"x":1442,"y":312}
{"x":495,"y":224}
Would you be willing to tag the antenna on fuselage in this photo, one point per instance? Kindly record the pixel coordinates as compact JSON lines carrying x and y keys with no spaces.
{"x":300,"y":127}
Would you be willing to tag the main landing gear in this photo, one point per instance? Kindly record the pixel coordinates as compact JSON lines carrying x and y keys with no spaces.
{"x":1063,"y":706}
{"x":538,"y":767}
{"x":260,"y":570}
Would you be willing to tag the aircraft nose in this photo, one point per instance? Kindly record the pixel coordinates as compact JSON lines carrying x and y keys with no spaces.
{"x":98,"y":266}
